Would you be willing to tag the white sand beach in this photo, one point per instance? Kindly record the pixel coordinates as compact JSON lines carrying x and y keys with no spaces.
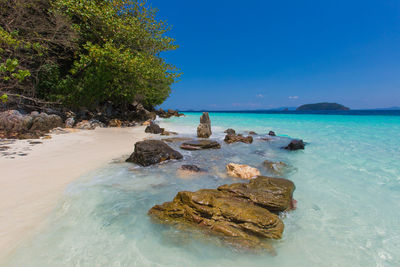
{"x":32,"y":184}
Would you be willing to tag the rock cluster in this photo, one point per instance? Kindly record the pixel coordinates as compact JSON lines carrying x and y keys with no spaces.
{"x":151,"y":152}
{"x":242,"y":213}
{"x":168,"y":114}
{"x":233,"y":138}
{"x":13,"y":124}
{"x":204,"y":128}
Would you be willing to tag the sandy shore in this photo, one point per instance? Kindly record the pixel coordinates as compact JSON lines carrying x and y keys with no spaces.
{"x":34,"y":177}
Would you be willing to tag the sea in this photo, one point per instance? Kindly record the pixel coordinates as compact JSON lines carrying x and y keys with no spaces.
{"x":347,"y":190}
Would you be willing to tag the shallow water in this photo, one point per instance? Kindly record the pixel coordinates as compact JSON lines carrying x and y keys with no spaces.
{"x":347,"y":187}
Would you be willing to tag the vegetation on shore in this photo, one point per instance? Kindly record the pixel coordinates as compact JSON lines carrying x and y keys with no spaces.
{"x":322,"y":106}
{"x":84,"y":52}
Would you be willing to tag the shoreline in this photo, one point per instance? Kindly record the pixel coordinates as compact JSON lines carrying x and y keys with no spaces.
{"x":32,"y":184}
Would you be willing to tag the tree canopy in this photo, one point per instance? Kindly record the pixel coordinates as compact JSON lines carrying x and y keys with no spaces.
{"x":85,"y":52}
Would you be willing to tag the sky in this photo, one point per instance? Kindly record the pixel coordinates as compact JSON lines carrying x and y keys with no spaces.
{"x":262,"y":54}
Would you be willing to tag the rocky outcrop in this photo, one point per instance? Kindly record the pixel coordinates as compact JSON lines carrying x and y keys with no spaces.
{"x":295,"y":145}
{"x":168,"y":114}
{"x":204,"y":128}
{"x":149,"y":152}
{"x":154,"y":129}
{"x":242,"y":171}
{"x":244,"y":214}
{"x":275,"y":167}
{"x":230,"y":131}
{"x":13,"y":124}
{"x":233,"y":138}
{"x":200,"y":144}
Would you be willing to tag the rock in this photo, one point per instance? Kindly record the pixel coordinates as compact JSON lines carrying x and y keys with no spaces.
{"x":240,"y":212}
{"x":176,"y":139}
{"x":295,"y":145}
{"x":154,"y":129}
{"x":167,"y":133}
{"x":143,"y":114}
{"x":146,"y":123}
{"x":69,"y":123}
{"x":89,"y":125}
{"x":271,"y":133}
{"x":13,"y":124}
{"x":115,"y":123}
{"x":273,"y":194}
{"x":191,"y":168}
{"x":276,"y":167}
{"x":150,"y":152}
{"x":252,"y":133}
{"x":232,"y":138}
{"x":200,"y":144}
{"x":230,"y":131}
{"x":204,"y":128}
{"x":242,"y":171}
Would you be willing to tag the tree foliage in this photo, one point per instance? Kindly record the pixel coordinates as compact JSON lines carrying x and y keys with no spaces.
{"x":85,"y":52}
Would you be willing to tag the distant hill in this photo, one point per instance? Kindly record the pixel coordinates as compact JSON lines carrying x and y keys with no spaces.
{"x":390,"y":108}
{"x":282,"y":109}
{"x":322,"y":106}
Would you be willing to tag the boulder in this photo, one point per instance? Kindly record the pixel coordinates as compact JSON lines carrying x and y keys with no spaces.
{"x":89,"y":125}
{"x":230,"y":131}
{"x":150,"y":152}
{"x":200,"y":144}
{"x":242,"y":171}
{"x":204,"y":128}
{"x":252,"y":133}
{"x":233,"y":138}
{"x":276,"y":167}
{"x":273,"y":194}
{"x":295,"y":144}
{"x":154,"y":129}
{"x":238,"y":212}
{"x":271,"y":133}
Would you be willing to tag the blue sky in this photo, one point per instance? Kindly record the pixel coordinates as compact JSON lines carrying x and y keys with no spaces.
{"x":253,"y":54}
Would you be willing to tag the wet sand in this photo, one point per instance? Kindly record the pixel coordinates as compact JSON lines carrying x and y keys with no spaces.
{"x":33,"y":176}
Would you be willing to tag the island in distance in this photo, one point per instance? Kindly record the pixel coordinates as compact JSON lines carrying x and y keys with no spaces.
{"x":322,"y":106}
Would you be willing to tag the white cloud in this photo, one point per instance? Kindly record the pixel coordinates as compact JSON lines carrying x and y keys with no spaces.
{"x":260,"y":96}
{"x":293,"y":97}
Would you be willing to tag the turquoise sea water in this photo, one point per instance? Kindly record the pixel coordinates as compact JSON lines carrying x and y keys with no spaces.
{"x":347,"y":187}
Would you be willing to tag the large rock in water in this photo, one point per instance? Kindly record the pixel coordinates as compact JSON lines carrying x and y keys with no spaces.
{"x":244,"y":214}
{"x":233,"y":138}
{"x":200,"y":144}
{"x":295,"y":145}
{"x":242,"y":171}
{"x":150,"y":152}
{"x":204,"y":128}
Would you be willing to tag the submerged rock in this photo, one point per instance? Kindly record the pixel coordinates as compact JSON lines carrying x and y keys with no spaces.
{"x":276,"y":167}
{"x":150,"y":152}
{"x":230,"y":131}
{"x":176,"y":139}
{"x":154,"y":129}
{"x":232,"y":138}
{"x":191,"y":168}
{"x":295,"y":145}
{"x":252,"y":133}
{"x":200,"y":144}
{"x":242,"y":171}
{"x":242,"y":213}
{"x":167,"y":133}
{"x":204,"y":128}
